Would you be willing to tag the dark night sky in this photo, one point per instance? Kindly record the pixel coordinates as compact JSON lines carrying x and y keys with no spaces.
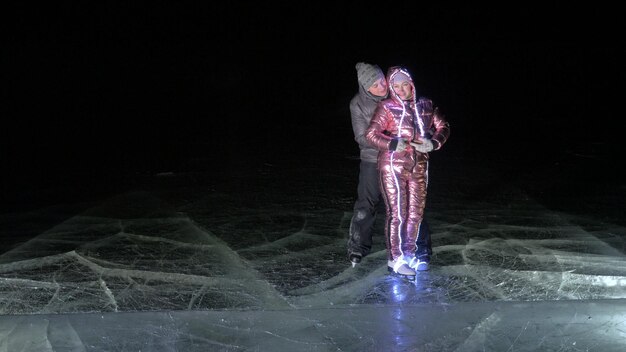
{"x":146,"y":86}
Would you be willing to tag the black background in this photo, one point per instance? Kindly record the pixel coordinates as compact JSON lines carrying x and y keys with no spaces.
{"x":146,"y":87}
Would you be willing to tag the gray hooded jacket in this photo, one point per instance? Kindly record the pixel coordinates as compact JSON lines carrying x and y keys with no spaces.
{"x":362,"y":107}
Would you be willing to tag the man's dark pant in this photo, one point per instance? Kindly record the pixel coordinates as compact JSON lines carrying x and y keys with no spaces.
{"x":368,"y":199}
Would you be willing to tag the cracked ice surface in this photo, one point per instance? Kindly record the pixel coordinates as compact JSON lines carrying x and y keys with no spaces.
{"x":274,"y":240}
{"x":242,"y":245}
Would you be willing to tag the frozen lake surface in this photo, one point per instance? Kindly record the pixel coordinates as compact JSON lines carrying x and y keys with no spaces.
{"x":253,"y":257}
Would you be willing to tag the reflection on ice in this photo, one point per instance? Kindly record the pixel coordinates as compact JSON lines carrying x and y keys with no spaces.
{"x":478,"y":326}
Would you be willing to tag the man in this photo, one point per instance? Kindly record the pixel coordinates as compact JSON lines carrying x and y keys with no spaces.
{"x":373,"y":88}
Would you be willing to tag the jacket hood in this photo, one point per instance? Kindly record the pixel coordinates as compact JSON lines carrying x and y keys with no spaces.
{"x":391,"y":73}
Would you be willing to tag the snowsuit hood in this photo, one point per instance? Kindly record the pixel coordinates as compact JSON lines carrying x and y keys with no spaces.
{"x":391,"y":74}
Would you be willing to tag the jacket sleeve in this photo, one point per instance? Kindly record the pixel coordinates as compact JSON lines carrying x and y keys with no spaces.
{"x":375,"y":132}
{"x":359,"y":124}
{"x":442,"y":129}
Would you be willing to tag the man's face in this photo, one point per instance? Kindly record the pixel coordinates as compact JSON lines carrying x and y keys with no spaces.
{"x":379,"y":88}
{"x":403,"y":89}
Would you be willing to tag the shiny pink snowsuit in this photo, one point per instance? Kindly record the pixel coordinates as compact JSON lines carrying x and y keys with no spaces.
{"x":404,"y":175}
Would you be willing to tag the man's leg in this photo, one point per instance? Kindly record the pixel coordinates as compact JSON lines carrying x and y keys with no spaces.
{"x":362,"y":223}
{"x":424,"y":243}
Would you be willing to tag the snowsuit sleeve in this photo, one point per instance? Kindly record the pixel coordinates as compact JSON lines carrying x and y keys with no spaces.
{"x":442,"y":129}
{"x":375,"y":133}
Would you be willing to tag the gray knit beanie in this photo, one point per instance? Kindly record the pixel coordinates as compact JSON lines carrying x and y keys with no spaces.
{"x":400,"y":77}
{"x":368,"y":74}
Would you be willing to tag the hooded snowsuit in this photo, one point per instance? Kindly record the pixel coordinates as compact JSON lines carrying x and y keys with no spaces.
{"x":404,"y":174}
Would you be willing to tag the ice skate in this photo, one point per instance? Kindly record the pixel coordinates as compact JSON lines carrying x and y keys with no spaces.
{"x":421,"y":266}
{"x":400,"y":268}
{"x":355,"y":258}
{"x":420,"y":263}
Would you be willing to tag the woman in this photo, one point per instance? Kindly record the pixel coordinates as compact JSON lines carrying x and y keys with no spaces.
{"x":405,"y":129}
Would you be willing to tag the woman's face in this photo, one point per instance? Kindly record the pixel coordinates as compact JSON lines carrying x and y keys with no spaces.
{"x":379,"y":88}
{"x":403,"y":89}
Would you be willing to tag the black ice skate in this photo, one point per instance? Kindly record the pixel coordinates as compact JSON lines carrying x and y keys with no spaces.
{"x":355,"y":258}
